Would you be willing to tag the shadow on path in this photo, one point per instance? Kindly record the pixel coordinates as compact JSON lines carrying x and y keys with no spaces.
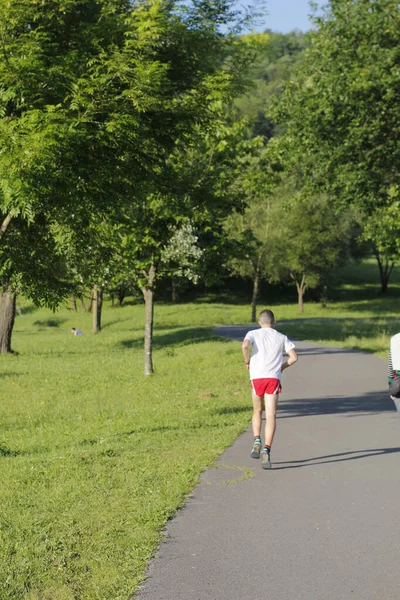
{"x":369,"y":404}
{"x":333,"y":458}
{"x":324,"y":350}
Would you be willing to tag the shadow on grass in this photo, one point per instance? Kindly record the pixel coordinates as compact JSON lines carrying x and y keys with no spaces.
{"x":360,"y":292}
{"x":334,"y":458}
{"x":130,"y":344}
{"x":339,"y":330}
{"x":25,"y":310}
{"x":366,"y":404}
{"x":365,"y":300}
{"x":191,"y":335}
{"x":11,"y":374}
{"x":6,"y":452}
{"x":117,"y":322}
{"x":182,"y":337}
{"x":55,"y":322}
{"x":232,"y":410}
{"x":182,"y":427}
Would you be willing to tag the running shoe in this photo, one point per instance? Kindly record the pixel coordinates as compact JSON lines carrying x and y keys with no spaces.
{"x":265,"y":460}
{"x":256,"y":449}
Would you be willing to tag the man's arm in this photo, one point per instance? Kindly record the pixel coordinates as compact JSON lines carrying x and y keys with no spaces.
{"x":245,"y":351}
{"x":291,"y":360}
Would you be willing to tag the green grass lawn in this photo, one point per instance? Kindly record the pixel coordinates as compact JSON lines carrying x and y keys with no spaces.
{"x":95,"y":458}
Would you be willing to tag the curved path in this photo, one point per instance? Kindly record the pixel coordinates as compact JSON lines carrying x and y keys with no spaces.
{"x":324,"y":523}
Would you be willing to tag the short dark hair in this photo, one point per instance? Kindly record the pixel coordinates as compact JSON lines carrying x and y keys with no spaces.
{"x":266,"y":317}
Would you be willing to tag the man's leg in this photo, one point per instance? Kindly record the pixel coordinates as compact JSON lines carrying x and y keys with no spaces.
{"x":271,"y":404}
{"x":257,"y":413}
{"x":256,"y":423}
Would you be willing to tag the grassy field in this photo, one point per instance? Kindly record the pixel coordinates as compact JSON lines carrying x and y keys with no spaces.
{"x":94,"y":458}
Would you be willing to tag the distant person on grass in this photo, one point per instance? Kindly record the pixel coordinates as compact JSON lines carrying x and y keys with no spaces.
{"x":394,"y":368}
{"x":76,"y":331}
{"x":265,"y":366}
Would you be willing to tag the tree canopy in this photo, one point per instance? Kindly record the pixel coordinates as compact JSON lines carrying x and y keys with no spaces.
{"x":341,"y":109}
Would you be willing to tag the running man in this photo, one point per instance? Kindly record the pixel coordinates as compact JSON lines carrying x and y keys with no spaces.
{"x":265,"y":366}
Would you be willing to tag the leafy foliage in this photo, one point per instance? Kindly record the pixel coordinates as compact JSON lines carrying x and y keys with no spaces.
{"x":315,"y":238}
{"x":342,"y":110}
{"x":277,"y":56}
{"x":97,"y":100}
{"x":182,"y":253}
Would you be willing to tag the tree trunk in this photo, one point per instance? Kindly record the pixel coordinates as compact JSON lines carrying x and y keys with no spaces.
{"x":174,"y":291}
{"x":301,"y":288}
{"x":384,"y":285}
{"x":83,"y":304}
{"x":6,"y":223}
{"x":254,"y":299}
{"x":73,"y":304}
{"x":300,"y":294}
{"x":97,"y":306}
{"x":324,"y":296}
{"x":148,"y":294}
{"x":385,"y":270}
{"x":7,"y":317}
{"x":90,"y":304}
{"x":121,"y":296}
{"x":256,"y":289}
{"x":385,"y":276}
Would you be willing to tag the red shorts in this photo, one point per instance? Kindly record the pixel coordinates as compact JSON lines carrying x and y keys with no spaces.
{"x":266,"y":386}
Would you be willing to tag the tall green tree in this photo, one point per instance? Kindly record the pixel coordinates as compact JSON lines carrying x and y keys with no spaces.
{"x":197,"y":185}
{"x":382,"y":230}
{"x":255,"y":232}
{"x":95,"y":96}
{"x":314,"y":241}
{"x":49,"y":150}
{"x":342,"y":109}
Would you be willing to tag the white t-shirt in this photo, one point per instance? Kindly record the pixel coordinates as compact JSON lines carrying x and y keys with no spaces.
{"x":267,"y":353}
{"x":395,"y":351}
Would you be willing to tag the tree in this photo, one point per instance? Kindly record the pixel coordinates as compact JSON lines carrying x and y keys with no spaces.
{"x":255,"y":231}
{"x":48,"y":149}
{"x":382,"y":229}
{"x":342,"y":109}
{"x":121,"y":91}
{"x":193,"y":196}
{"x":277,"y":56}
{"x":29,"y":246}
{"x":314,"y":241}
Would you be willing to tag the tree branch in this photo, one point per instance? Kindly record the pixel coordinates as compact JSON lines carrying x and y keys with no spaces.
{"x":6,"y":223}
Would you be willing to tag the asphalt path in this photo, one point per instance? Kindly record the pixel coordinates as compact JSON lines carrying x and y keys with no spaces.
{"x":324,"y":523}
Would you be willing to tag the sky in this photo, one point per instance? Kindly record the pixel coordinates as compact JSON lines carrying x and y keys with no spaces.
{"x":286,"y":15}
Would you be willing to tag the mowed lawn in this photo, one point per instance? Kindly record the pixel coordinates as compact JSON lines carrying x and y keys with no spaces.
{"x":95,"y":458}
